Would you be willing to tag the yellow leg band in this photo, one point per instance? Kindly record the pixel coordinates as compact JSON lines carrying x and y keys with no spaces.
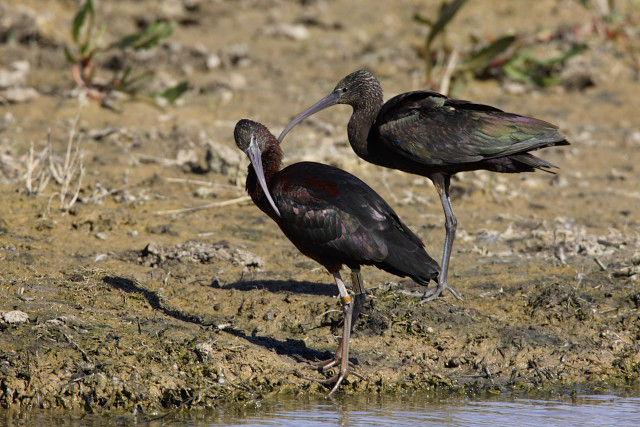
{"x":346,"y":299}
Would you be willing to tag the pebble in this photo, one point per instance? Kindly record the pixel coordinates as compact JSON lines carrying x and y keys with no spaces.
{"x":236,"y":81}
{"x":290,"y":31}
{"x":16,"y":95}
{"x":16,"y":75}
{"x":15,"y":317}
{"x":213,"y":61}
{"x":205,"y":350}
{"x":237,"y":55}
{"x":8,"y":118}
{"x":514,"y":88}
{"x":204,"y":192}
{"x":221,"y":158}
{"x":634,"y":138}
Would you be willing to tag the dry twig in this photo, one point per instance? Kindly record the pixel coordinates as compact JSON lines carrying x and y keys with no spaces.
{"x":202,"y":183}
{"x":70,"y":170}
{"x":448,"y":72}
{"x":223,"y":203}
{"x":37,"y":177}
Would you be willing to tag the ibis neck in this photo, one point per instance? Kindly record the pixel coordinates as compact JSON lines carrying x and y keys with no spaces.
{"x":360,"y":124}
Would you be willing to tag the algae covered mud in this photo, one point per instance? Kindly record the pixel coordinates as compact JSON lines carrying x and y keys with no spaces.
{"x":132,"y":298}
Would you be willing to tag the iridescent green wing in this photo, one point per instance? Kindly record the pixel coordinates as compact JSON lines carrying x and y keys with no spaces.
{"x":429,"y":128}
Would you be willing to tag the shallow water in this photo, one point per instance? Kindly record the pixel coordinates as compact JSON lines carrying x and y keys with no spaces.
{"x":585,"y":410}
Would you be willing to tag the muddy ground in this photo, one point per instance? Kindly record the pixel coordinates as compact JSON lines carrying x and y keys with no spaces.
{"x":133,"y":308}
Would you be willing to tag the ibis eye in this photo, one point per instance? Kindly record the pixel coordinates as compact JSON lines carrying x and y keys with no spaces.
{"x":343,"y":89}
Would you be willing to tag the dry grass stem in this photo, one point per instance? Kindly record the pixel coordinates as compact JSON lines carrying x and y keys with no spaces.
{"x":445,"y":83}
{"x":201,"y":182}
{"x":70,"y":170}
{"x":229,"y":202}
{"x":37,"y":176}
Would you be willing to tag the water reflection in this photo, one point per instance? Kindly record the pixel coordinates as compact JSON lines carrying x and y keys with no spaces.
{"x":588,"y":410}
{"x":583,"y":411}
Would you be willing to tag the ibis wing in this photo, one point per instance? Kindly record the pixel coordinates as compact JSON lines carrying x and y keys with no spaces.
{"x":429,"y":128}
{"x":333,"y":211}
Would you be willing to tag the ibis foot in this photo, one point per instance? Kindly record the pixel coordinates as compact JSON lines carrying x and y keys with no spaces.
{"x":337,"y":379}
{"x":432,"y":294}
{"x":325,"y":365}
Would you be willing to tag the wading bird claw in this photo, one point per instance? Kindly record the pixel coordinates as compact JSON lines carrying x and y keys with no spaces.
{"x":432,"y":294}
{"x":337,"y":379}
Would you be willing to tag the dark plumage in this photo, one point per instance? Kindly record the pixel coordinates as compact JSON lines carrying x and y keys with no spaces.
{"x":428,"y":134}
{"x":450,"y":135}
{"x":335,"y":218}
{"x":332,"y":217}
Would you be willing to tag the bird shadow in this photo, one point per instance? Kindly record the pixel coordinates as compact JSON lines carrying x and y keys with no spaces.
{"x":296,"y":349}
{"x":157,"y":301}
{"x":275,"y":286}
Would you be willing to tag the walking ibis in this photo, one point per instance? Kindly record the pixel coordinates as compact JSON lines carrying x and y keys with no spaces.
{"x":426,"y":133}
{"x":333,"y":218}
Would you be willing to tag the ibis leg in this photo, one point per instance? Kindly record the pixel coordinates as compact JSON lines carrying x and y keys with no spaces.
{"x":360,"y":295}
{"x":347,"y":308}
{"x":342,"y":355}
{"x":325,"y":365}
{"x":451,"y":223}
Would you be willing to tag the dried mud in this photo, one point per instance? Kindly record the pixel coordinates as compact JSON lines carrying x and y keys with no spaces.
{"x":133,"y":309}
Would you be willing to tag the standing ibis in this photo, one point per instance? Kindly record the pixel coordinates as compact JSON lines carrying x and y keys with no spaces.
{"x":426,"y":133}
{"x":333,"y":218}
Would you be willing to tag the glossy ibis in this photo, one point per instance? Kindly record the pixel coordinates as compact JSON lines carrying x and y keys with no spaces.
{"x":428,"y":134}
{"x":333,"y":218}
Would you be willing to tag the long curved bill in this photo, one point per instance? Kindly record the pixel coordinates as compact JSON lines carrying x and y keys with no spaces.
{"x":255,"y":156}
{"x":325,"y":102}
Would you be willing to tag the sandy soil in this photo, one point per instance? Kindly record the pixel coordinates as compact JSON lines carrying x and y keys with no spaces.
{"x":130,"y":309}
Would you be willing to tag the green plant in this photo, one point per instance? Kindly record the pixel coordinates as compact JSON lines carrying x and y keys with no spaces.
{"x":523,"y":67}
{"x":437,"y":29}
{"x":87,"y":34}
{"x":507,"y":57}
{"x":488,"y":55}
